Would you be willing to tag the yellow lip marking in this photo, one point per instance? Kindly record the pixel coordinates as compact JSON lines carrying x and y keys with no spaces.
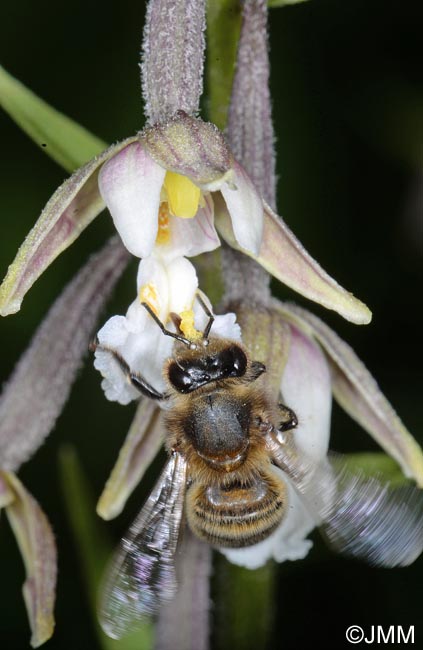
{"x":182,"y":195}
{"x":148,"y":294}
{"x":163,"y":232}
{"x":187,"y":326}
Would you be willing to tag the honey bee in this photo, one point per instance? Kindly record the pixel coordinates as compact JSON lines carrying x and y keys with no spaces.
{"x":227,"y":444}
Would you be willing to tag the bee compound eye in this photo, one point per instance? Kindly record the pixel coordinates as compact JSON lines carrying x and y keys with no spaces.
{"x":234,"y":361}
{"x":180,"y":378}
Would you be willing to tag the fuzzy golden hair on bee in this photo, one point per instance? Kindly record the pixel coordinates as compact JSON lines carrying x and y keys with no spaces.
{"x":240,"y":513}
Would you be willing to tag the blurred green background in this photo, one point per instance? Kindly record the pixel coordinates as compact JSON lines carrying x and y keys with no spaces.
{"x":347,"y":84}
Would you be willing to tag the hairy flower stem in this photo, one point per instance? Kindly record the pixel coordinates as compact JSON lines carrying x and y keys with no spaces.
{"x":250,"y":135}
{"x":173,"y":58}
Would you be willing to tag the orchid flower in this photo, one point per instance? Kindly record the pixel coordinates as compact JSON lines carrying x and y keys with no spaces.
{"x":164,"y":184}
{"x":167,"y":289}
{"x":170,"y":189}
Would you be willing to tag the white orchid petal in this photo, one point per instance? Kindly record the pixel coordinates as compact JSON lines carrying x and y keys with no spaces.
{"x":183,"y":284}
{"x":140,"y":342}
{"x":130,"y":185}
{"x":191,"y":237}
{"x":114,"y":384}
{"x":245,"y":208}
{"x":287,"y":542}
{"x":306,"y":388}
{"x":114,"y":332}
{"x":153,"y":285}
{"x":226,"y":326}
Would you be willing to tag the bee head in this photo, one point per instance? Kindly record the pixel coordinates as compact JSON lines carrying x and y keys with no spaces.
{"x":207,"y":365}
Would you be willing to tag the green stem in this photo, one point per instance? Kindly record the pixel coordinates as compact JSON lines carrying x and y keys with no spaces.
{"x":223,"y":28}
{"x":244,"y":608}
{"x":244,"y":598}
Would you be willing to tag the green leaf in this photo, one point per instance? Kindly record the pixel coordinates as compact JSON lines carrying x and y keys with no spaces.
{"x":64,"y":140}
{"x":223,"y":29}
{"x":94,"y":546}
{"x":376,"y":463}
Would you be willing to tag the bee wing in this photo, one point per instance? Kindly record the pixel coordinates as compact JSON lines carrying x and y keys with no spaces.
{"x":142,"y":573}
{"x":360,"y":516}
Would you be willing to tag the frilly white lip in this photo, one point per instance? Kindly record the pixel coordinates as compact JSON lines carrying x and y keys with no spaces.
{"x":139,"y":340}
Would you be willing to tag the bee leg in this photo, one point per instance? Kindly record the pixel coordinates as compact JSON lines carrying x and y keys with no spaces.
{"x":257,"y":369}
{"x":134,"y":378}
{"x":289,"y":419}
{"x":166,"y":332}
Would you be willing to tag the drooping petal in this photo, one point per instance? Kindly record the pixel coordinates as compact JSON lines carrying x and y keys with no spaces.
{"x":36,"y":542}
{"x":173,"y":57}
{"x":191,"y":147}
{"x":282,"y":255}
{"x":192,"y":602}
{"x":306,"y":388}
{"x":144,"y":439}
{"x":358,"y":393}
{"x":6,"y":494}
{"x":189,"y":237}
{"x":71,"y":208}
{"x":245,"y":209}
{"x":130,"y":185}
{"x":43,"y":377}
{"x":287,"y":542}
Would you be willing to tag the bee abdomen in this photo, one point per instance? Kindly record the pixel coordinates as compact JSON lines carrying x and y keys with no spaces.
{"x":237,"y":515}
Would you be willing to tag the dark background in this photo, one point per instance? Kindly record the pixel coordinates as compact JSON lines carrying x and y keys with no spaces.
{"x":348,"y":106}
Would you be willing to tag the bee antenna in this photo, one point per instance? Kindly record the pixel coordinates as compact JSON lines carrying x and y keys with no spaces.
{"x":208,"y":313}
{"x":166,"y":332}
